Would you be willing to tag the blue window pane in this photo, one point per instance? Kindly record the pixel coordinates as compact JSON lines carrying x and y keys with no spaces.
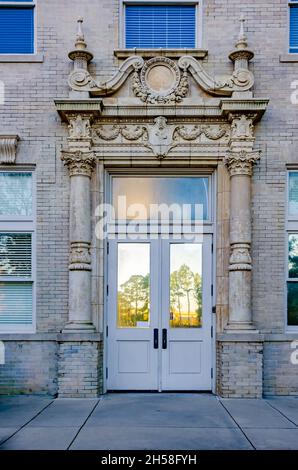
{"x":16,"y":30}
{"x":169,"y":26}
{"x":294,"y":29}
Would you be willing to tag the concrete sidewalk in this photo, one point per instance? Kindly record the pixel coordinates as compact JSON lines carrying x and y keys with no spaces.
{"x":148,"y":421}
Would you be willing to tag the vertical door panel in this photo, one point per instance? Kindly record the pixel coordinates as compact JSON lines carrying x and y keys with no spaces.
{"x":186,"y":315}
{"x":132,"y":316}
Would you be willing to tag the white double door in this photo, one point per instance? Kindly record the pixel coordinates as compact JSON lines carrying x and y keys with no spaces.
{"x":159,"y":315}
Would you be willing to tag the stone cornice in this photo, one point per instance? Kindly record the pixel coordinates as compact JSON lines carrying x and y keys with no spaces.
{"x":252,"y":106}
{"x":69,"y":107}
{"x":8,"y":148}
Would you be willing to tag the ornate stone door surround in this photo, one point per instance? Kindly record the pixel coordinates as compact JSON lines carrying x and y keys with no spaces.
{"x":162,"y":115}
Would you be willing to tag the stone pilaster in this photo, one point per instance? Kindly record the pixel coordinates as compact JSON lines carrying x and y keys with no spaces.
{"x":239,"y":161}
{"x":80,"y":167}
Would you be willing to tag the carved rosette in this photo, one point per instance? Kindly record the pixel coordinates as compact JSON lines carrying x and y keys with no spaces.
{"x":79,"y":163}
{"x":241,"y":163}
{"x":80,"y":258}
{"x":240,"y":259}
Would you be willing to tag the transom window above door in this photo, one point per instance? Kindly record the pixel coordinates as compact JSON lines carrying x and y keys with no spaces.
{"x":170,"y":24}
{"x":156,"y":197}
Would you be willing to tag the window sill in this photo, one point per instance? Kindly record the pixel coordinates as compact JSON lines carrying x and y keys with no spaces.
{"x":21,"y":58}
{"x":149,"y":53}
{"x":288,"y":58}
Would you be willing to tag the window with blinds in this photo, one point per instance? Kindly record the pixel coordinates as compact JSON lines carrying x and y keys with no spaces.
{"x":293,"y":28}
{"x":154,"y":26}
{"x":16,"y":252}
{"x":17,"y":26}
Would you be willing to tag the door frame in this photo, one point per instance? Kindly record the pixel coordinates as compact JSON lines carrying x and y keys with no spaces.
{"x":209,"y":228}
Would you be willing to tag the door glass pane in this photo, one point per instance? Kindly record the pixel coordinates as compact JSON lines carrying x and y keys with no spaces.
{"x":293,"y":303}
{"x":293,"y":255}
{"x":148,"y":191}
{"x":15,"y":193}
{"x":133,"y":285}
{"x":293,"y":193}
{"x":185,"y":285}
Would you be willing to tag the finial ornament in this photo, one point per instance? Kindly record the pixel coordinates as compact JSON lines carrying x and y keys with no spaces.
{"x":80,"y":39}
{"x":242,"y":38}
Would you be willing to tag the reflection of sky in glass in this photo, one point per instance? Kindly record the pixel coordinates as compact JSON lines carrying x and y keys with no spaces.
{"x":162,"y":190}
{"x":186,"y":253}
{"x":293,"y":193}
{"x":15,"y":193}
{"x":133,"y":259}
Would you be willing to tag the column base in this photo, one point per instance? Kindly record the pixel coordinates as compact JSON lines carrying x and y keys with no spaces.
{"x":241,"y":327}
{"x":79,"y":327}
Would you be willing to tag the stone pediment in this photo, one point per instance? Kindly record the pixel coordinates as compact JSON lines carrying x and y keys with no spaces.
{"x":161,"y":79}
{"x":161,"y":107}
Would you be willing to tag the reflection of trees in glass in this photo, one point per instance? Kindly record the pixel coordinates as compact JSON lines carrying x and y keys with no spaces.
{"x":15,"y":193}
{"x":185,"y":298}
{"x":293,"y":255}
{"x":133,"y":301}
{"x":15,"y":254}
{"x":293,"y":303}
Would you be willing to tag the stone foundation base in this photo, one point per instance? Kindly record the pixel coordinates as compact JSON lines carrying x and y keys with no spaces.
{"x":240,"y":368}
{"x":79,"y":370}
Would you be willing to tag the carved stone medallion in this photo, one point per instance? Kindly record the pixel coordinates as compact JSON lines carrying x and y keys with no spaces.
{"x":160,"y":81}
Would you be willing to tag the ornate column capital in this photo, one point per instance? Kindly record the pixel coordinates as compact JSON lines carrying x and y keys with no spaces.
{"x":241,"y":163}
{"x":79,"y":163}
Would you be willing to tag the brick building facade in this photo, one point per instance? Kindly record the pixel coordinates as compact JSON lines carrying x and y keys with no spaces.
{"x":222,"y":110}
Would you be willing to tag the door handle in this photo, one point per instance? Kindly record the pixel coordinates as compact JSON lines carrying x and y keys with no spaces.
{"x":155,"y":338}
{"x":164,"y":338}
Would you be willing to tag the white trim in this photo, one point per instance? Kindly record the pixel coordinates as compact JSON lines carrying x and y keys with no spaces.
{"x":291,"y":227}
{"x":209,"y":228}
{"x":17,"y":224}
{"x":199,"y":17}
{"x":20,"y":57}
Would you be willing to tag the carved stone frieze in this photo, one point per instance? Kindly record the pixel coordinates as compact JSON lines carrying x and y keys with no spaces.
{"x":8,"y":148}
{"x":80,"y":258}
{"x":160,"y":136}
{"x":79,"y":163}
{"x":241,"y":163}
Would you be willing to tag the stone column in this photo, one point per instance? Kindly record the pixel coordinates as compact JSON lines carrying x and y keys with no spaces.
{"x":240,"y":160}
{"x":80,"y":167}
